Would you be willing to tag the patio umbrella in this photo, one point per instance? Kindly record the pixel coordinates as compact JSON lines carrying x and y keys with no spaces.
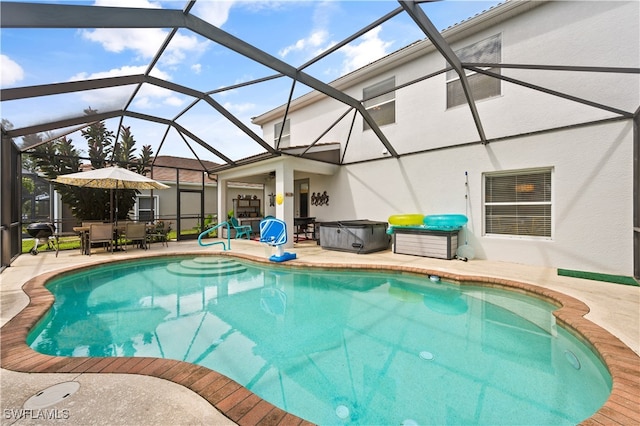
{"x":110,"y":178}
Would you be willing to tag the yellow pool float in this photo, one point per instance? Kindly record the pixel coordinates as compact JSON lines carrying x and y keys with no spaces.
{"x":412,"y":219}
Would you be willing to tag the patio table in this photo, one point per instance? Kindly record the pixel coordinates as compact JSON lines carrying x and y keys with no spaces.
{"x":83,"y":232}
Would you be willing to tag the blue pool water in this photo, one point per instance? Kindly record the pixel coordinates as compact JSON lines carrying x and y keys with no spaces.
{"x":336,"y":347}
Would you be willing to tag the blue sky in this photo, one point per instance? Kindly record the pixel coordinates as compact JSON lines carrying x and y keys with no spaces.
{"x":293,"y":31}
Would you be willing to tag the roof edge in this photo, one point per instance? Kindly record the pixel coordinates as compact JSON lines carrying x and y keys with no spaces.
{"x":498,"y":13}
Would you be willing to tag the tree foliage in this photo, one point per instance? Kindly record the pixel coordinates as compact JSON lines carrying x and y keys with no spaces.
{"x":60,"y":157}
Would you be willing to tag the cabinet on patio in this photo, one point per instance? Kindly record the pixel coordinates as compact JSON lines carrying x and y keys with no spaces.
{"x":426,"y":243}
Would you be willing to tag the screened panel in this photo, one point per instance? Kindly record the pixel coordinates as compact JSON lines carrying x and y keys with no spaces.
{"x":488,"y":50}
{"x":380,"y":104}
{"x":144,"y":208}
{"x":482,"y":86}
{"x":382,"y":114}
{"x":285,"y":140}
{"x":379,"y":93}
{"x":518,"y":204}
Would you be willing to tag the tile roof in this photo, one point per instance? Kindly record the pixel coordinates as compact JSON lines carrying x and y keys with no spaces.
{"x":191,"y":170}
{"x":164,"y":169}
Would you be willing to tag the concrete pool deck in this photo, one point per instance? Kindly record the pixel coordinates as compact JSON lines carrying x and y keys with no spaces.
{"x":151,"y":391}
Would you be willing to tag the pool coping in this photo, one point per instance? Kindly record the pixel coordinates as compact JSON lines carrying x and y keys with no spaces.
{"x":245,"y":408}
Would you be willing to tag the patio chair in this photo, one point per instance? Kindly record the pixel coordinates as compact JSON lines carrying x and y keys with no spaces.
{"x":136,"y":232}
{"x":85,"y":247}
{"x":159,"y":233}
{"x":241,"y":230}
{"x":100,"y":233}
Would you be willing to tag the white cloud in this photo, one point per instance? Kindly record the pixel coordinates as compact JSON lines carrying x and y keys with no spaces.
{"x":242,"y":108}
{"x":214,"y":12}
{"x":11,"y":72}
{"x":116,"y":72}
{"x":318,"y":39}
{"x":143,"y":103}
{"x":144,"y":42}
{"x":128,"y":3}
{"x":196,"y":68}
{"x":181,"y":47}
{"x":149,"y":96}
{"x":369,"y":49}
{"x":310,"y":44}
{"x":174,"y":101}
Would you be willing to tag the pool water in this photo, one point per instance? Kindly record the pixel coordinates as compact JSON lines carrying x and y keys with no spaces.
{"x":336,"y":347}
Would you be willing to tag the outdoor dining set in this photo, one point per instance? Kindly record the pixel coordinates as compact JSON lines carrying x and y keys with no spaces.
{"x":116,"y":237}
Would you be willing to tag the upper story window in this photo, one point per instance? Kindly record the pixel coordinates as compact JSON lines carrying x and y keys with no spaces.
{"x":380,"y":101}
{"x":285,"y":140}
{"x":482,"y":86}
{"x":518,"y":203}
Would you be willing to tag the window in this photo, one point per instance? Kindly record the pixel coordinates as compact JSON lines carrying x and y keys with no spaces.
{"x":285,"y":140}
{"x":518,"y":203}
{"x":482,"y":86}
{"x":143,"y":208}
{"x":380,"y":102}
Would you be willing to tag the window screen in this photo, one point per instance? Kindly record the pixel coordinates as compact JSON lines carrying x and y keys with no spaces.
{"x":285,"y":140}
{"x":482,"y":86}
{"x":518,"y":204}
{"x":144,"y":208}
{"x":383,"y":107}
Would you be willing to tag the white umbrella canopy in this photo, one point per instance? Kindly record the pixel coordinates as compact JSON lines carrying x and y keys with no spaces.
{"x":110,"y":178}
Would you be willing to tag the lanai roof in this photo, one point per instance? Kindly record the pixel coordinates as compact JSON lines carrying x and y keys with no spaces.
{"x":206,"y":109}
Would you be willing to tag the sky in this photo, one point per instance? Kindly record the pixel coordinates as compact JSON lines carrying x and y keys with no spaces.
{"x":292,"y":31}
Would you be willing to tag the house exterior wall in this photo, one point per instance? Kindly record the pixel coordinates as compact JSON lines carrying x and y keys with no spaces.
{"x":168,"y":205}
{"x":592,"y":202}
{"x":592,"y":166}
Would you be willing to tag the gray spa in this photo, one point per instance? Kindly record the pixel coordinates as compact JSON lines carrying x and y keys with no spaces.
{"x":357,"y":236}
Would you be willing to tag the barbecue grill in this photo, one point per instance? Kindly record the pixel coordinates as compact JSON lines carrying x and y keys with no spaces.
{"x":41,"y":231}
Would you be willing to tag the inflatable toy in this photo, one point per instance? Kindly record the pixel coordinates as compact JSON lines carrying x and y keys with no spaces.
{"x":445,"y":222}
{"x":406,"y":219}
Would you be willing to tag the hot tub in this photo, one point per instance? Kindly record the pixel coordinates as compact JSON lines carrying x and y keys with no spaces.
{"x":357,"y":236}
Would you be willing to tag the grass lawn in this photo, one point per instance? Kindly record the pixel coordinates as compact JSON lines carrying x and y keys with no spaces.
{"x":66,"y":243}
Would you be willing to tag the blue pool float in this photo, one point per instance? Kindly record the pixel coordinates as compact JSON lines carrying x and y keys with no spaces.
{"x":445,"y":222}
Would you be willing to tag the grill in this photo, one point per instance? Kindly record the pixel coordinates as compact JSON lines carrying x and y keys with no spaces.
{"x":40,"y":231}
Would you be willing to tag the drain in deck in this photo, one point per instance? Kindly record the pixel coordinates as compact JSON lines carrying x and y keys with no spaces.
{"x":51,"y":395}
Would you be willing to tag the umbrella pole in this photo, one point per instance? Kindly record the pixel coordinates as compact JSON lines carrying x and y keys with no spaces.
{"x":115,"y":228}
{"x":116,"y":203}
{"x":111,"y":206}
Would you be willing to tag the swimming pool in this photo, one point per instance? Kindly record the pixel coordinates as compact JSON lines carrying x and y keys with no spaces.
{"x":336,"y":347}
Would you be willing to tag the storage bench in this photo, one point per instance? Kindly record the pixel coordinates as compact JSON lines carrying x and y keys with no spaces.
{"x":425,"y":242}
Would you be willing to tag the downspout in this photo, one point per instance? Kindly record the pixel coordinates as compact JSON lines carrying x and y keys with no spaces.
{"x":636,"y":195}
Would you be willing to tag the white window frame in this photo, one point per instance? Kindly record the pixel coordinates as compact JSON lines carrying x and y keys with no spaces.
{"x":385,"y":100}
{"x":285,"y":140}
{"x":522,"y":225}
{"x":472,"y":53}
{"x":156,"y":206}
